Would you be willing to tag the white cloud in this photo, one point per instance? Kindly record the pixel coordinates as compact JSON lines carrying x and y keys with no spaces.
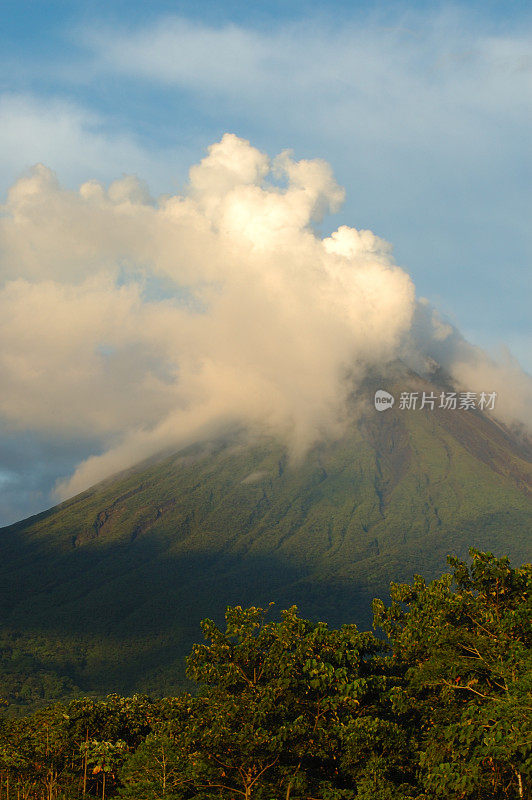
{"x":175,"y":50}
{"x":432,"y":342}
{"x":283,"y":314}
{"x":76,"y":141}
{"x":260,"y":322}
{"x":424,"y":80}
{"x":422,"y":112}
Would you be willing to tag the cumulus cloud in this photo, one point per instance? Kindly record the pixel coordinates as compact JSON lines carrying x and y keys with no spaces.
{"x":152,"y":323}
{"x":421,"y":109}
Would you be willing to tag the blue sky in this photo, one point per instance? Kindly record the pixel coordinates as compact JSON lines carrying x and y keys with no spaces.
{"x":423,"y":111}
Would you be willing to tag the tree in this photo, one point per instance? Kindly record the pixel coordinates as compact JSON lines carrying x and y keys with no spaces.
{"x":281,"y":708}
{"x":105,"y":758}
{"x":464,"y":643}
{"x":157,"y":769}
{"x":64,"y":751}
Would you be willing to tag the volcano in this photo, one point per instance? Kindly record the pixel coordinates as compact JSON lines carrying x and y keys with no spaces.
{"x":105,"y":591}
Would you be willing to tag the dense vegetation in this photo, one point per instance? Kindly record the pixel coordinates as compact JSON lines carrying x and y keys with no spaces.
{"x":294,"y":709}
{"x":104,"y":592}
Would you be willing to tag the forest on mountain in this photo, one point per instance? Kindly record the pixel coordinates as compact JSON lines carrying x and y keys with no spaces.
{"x":104,"y":592}
{"x":437,"y":706}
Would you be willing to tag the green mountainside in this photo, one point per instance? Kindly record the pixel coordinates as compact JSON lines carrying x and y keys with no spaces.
{"x":105,"y":592}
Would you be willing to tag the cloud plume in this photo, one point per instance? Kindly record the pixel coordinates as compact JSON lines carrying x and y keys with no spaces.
{"x":150,"y":323}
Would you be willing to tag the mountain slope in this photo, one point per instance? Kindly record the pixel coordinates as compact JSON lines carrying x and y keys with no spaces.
{"x":105,"y":592}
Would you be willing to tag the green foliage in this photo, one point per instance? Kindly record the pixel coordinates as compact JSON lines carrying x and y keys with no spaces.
{"x":290,"y":708}
{"x":464,"y":643}
{"x":27,"y":682}
{"x":104,"y":592}
{"x":282,"y":705}
{"x":157,"y":768}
